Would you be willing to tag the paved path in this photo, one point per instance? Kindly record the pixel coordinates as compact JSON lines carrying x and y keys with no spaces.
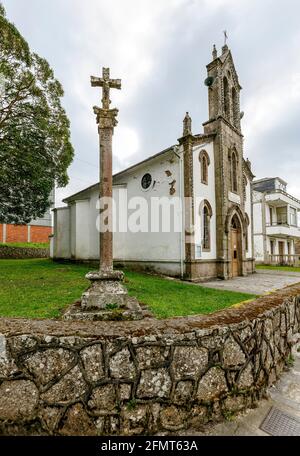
{"x":263,"y":281}
{"x":284,"y":396}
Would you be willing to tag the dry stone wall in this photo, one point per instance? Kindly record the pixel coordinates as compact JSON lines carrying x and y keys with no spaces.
{"x":129,"y":378}
{"x":13,"y":253}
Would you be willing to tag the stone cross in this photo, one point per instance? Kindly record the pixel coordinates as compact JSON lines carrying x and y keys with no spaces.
{"x":106,"y":119}
{"x":106,"y":83}
{"x":107,"y":298}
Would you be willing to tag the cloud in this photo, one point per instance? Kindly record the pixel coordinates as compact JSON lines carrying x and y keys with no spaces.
{"x":160,"y":50}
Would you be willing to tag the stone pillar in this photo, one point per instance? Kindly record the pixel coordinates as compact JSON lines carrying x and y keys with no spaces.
{"x":107,"y":121}
{"x":187,"y":142}
{"x":107,"y":297}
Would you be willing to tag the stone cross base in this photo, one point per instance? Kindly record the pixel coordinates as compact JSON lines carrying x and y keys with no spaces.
{"x":106,"y":299}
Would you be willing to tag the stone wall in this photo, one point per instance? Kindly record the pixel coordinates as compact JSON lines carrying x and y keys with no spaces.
{"x":9,"y":252}
{"x":84,"y":378}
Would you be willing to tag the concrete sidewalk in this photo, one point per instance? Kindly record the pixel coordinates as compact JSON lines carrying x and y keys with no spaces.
{"x":262,"y":282}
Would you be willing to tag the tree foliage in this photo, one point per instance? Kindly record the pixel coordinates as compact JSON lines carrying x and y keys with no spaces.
{"x":35,"y":147}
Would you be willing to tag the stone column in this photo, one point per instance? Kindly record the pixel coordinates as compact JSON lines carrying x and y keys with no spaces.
{"x":107,"y":297}
{"x":187,"y":142}
{"x":107,"y":122}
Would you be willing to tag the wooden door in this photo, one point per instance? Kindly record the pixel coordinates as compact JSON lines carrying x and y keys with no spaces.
{"x":234,"y":253}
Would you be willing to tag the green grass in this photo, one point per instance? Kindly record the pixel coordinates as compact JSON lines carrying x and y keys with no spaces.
{"x":28,"y":245}
{"x":39,"y":288}
{"x":278,"y":268}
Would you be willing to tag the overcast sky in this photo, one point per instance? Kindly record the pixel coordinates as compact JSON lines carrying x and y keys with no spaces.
{"x":160,"y":48}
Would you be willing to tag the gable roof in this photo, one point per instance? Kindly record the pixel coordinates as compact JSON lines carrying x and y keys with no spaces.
{"x":82,"y":194}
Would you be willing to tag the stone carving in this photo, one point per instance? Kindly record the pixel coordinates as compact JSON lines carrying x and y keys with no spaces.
{"x":187,"y":125}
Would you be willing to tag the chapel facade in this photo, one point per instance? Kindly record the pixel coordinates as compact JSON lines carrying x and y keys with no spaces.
{"x":206,"y":172}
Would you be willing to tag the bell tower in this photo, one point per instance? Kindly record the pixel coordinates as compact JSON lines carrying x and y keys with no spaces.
{"x":225,"y":123}
{"x":223,"y":89}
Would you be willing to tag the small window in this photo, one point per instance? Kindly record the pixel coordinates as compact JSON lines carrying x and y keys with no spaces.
{"x":226,"y":98}
{"x":206,"y":229}
{"x":204,"y":164}
{"x":234,"y":173}
{"x":293,"y":216}
{"x":206,"y":217}
{"x":235,"y":110}
{"x":146,"y":181}
{"x":271,"y":216}
{"x":245,"y":187}
{"x":204,"y":170}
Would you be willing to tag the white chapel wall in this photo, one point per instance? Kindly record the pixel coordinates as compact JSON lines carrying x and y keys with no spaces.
{"x":248,"y":210}
{"x":62,"y":234}
{"x":151,"y":246}
{"x":82,"y":229}
{"x":206,"y":192}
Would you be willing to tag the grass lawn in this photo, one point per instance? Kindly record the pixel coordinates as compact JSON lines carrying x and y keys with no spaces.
{"x":28,"y":245}
{"x":39,"y":288}
{"x":278,"y":268}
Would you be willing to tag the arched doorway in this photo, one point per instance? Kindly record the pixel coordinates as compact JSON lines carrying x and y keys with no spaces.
{"x":236,"y":246}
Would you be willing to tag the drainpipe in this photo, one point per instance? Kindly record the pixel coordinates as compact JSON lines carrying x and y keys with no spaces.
{"x":264,"y":226}
{"x":180,"y":157}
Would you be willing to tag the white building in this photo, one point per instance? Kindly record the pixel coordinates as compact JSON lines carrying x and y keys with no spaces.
{"x":276,"y":226}
{"x":204,"y":178}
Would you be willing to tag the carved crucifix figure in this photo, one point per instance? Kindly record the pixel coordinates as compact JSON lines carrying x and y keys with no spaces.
{"x":106,"y":83}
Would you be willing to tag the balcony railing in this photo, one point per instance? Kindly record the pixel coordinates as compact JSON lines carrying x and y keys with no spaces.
{"x":282,"y":223}
{"x":283,"y":260}
{"x":282,"y":192}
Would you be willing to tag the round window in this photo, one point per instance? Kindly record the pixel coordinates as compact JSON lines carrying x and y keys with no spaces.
{"x":146,"y":181}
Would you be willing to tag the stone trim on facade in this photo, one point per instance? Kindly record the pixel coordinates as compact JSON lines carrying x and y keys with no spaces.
{"x":131,"y":378}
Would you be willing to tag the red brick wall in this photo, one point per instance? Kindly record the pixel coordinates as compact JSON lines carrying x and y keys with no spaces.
{"x":19,"y":233}
{"x":40,"y":233}
{"x":16,"y":233}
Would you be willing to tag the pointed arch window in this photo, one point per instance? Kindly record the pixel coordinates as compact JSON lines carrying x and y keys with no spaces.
{"x":226,"y":98}
{"x":245,"y":181}
{"x":234,"y":107}
{"x":234,"y":172}
{"x":206,"y":217}
{"x":204,"y":164}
